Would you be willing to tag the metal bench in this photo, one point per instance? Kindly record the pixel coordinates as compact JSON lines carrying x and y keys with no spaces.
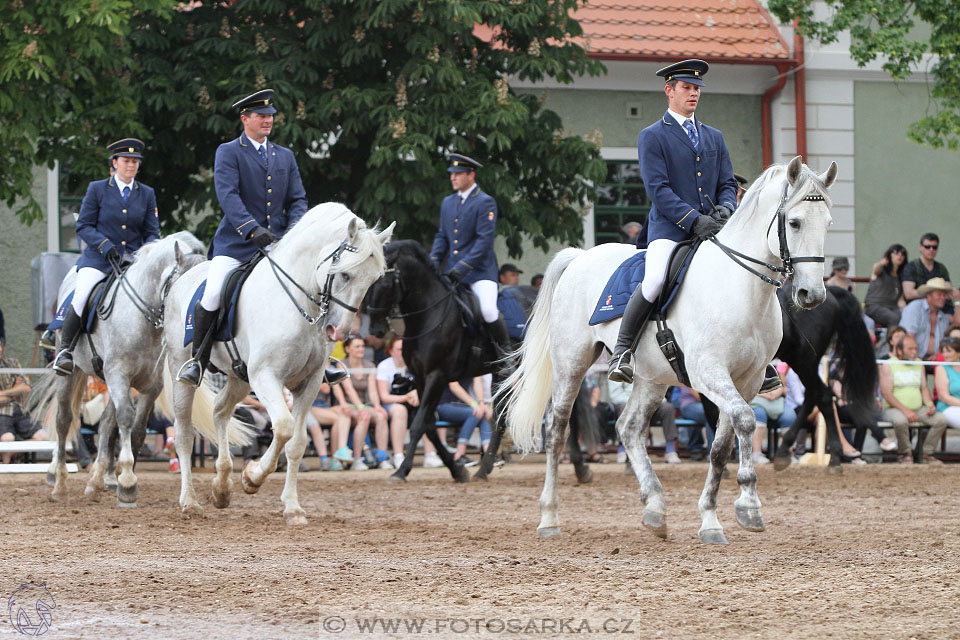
{"x":30,"y":446}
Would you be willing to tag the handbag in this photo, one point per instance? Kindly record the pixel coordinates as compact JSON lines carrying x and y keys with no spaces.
{"x":402,"y":384}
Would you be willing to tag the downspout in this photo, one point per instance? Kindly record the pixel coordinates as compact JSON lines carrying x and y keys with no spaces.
{"x":766,"y":124}
{"x":800,"y":87}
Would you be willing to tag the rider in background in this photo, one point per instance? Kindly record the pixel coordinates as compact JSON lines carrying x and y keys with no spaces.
{"x":463,"y":247}
{"x":117,"y":216}
{"x":686,"y":170}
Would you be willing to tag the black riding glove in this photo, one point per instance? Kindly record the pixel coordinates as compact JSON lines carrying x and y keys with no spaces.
{"x":113,"y":257}
{"x":262,"y":237}
{"x":721,"y":213}
{"x":705,"y":227}
{"x":454,"y":276}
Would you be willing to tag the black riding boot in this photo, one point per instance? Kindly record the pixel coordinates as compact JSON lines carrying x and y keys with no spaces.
{"x":771,"y":381}
{"x":501,"y":338}
{"x":69,"y":335}
{"x":621,"y":363}
{"x":192,"y":370}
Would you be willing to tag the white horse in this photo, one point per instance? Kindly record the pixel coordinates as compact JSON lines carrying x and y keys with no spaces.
{"x":129,"y":342}
{"x":330,"y":252}
{"x":725,"y":318}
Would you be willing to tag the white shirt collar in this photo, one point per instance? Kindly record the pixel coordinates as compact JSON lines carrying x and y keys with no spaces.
{"x":680,"y":119}
{"x":121,"y":184}
{"x":260,"y":144}
{"x":465,"y":194}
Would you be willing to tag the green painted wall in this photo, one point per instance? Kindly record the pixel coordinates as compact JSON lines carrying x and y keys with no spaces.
{"x":18,"y":245}
{"x":902,"y":189}
{"x":737,"y":116}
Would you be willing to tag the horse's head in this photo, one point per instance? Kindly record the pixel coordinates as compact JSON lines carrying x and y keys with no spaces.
{"x":164,"y":260}
{"x":383,"y":295}
{"x":348,"y":266}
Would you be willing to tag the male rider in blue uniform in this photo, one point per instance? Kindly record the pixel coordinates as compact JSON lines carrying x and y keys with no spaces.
{"x":463,"y":247}
{"x":117,"y":216}
{"x":686,"y":170}
{"x":259,"y":188}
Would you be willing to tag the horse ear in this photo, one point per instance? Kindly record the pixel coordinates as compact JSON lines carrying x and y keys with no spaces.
{"x":385,"y":235}
{"x":794,"y":169}
{"x":178,"y":253}
{"x":830,"y":175}
{"x":352,"y":229}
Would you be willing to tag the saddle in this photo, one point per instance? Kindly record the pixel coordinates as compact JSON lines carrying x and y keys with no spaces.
{"x":225,"y":328}
{"x":471,"y":319}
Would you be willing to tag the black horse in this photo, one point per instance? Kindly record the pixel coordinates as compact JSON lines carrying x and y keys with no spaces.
{"x":440,"y":346}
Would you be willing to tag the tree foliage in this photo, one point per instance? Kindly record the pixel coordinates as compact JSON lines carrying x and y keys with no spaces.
{"x":372,"y":95}
{"x":888,"y":29}
{"x":65,"y":76}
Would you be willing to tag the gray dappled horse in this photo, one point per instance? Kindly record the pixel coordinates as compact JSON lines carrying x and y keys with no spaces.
{"x":726,"y":319}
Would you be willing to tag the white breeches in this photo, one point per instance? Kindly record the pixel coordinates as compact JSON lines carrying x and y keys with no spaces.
{"x":486,"y":292}
{"x":220,"y":268}
{"x":87,"y":279}
{"x":655,"y":272}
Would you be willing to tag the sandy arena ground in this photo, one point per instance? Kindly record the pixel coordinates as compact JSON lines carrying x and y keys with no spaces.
{"x":873,"y":553}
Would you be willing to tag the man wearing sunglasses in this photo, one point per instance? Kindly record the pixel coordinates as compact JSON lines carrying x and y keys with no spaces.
{"x":925,"y":268}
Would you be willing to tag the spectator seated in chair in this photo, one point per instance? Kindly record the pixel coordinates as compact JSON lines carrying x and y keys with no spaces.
{"x":14,"y":423}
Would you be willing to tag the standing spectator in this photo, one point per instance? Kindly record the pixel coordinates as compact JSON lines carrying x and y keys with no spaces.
{"x":536,"y":281}
{"x":884,"y":299}
{"x":509,"y":274}
{"x":14,"y":423}
{"x":925,"y":319}
{"x":906,"y":399}
{"x":946,"y":379}
{"x":924,"y":269}
{"x":399,"y":395}
{"x":838,"y":274}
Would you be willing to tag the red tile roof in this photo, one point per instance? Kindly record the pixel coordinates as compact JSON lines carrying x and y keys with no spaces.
{"x":715,"y":30}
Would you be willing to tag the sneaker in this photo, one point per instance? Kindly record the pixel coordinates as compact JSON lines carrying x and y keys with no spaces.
{"x":929,"y":459}
{"x":671,"y":458}
{"x":303,"y":468}
{"x":858,"y":461}
{"x":888,"y":444}
{"x":344,"y":455}
{"x":386,"y":464}
{"x":170,"y":448}
{"x":906,"y":458}
{"x":499,"y":461}
{"x":621,"y":455}
{"x":759,"y":458}
{"x":397,"y":460}
{"x":432,"y":461}
{"x":174,"y":465}
{"x":465,"y":461}
{"x":335,"y":465}
{"x":369,"y":458}
{"x":359,"y":465}
{"x":326,"y":464}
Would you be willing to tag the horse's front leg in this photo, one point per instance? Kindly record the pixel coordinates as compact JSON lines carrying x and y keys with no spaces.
{"x":711,"y":531}
{"x":65,"y":390}
{"x":293,"y":513}
{"x":223,"y":408}
{"x":632,"y":427}
{"x":183,"y":441}
{"x":490,"y":455}
{"x":564,"y":391}
{"x":119,"y":387}
{"x":96,"y":482}
{"x":270,"y":393}
{"x":429,"y":398}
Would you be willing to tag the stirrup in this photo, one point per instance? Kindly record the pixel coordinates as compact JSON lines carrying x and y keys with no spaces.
{"x":182,"y":373}
{"x":621,"y":368}
{"x":336,"y":374}
{"x":48,"y":340}
{"x":770,"y":383}
{"x":64,"y":368}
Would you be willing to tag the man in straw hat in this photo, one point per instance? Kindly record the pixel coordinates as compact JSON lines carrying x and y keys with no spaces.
{"x":925,"y":319}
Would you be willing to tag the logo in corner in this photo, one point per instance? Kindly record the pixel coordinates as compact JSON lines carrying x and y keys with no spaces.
{"x":609,"y":299}
{"x":31,"y":609}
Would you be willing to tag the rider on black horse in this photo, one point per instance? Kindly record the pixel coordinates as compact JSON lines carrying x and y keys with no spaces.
{"x":463,"y":247}
{"x":686,"y":170}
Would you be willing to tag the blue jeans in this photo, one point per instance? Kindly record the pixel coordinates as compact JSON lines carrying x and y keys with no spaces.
{"x":459,"y":413}
{"x":694,"y":411}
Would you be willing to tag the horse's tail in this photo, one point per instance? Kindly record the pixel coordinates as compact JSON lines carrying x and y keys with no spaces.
{"x":238,"y":432}
{"x":527,"y":390}
{"x":41,"y":404}
{"x":855,"y":353}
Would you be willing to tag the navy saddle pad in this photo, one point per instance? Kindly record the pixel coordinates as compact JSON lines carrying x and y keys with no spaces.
{"x":227,"y":318}
{"x":624,"y":281}
{"x":90,"y":312}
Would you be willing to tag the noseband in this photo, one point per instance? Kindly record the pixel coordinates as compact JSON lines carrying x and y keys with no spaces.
{"x":397,"y":283}
{"x":325,"y":295}
{"x":788,"y":261}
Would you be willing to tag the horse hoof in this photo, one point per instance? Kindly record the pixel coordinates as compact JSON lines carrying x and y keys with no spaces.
{"x":192,"y":511}
{"x":126,"y":505}
{"x":781,"y":462}
{"x":58,"y":496}
{"x":548,"y":532}
{"x":480,"y":476}
{"x":397,"y":476}
{"x":750,"y":518}
{"x":110,"y":482}
{"x":221,"y":501}
{"x":92,"y":494}
{"x":656,"y":522}
{"x":713,"y":536}
{"x":128,"y":494}
{"x":295,"y":517}
{"x":51,"y":479}
{"x":834,"y":469}
{"x":584,"y":474}
{"x":248,"y":486}
{"x":460,"y":474}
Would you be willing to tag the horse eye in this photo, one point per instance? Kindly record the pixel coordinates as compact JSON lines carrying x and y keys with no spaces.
{"x":794,"y":224}
{"x":345,"y":277}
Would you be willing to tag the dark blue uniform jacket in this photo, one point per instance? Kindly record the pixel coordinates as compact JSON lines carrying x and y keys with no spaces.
{"x":677,"y":177}
{"x":252,"y":194}
{"x":105,"y":221}
{"x":464,"y":242}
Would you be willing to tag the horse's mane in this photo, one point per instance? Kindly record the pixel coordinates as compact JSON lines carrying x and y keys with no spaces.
{"x":187,"y":240}
{"x":809,"y":183}
{"x":409,"y":248}
{"x":331,"y":219}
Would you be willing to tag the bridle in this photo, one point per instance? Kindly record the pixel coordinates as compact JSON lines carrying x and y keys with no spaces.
{"x":396,"y":282}
{"x":153,"y":315}
{"x":325,"y":294}
{"x":787,"y":269}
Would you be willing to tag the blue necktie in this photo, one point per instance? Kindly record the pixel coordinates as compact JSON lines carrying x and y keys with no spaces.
{"x":126,"y":194}
{"x":263,"y":153}
{"x":692,"y":133}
